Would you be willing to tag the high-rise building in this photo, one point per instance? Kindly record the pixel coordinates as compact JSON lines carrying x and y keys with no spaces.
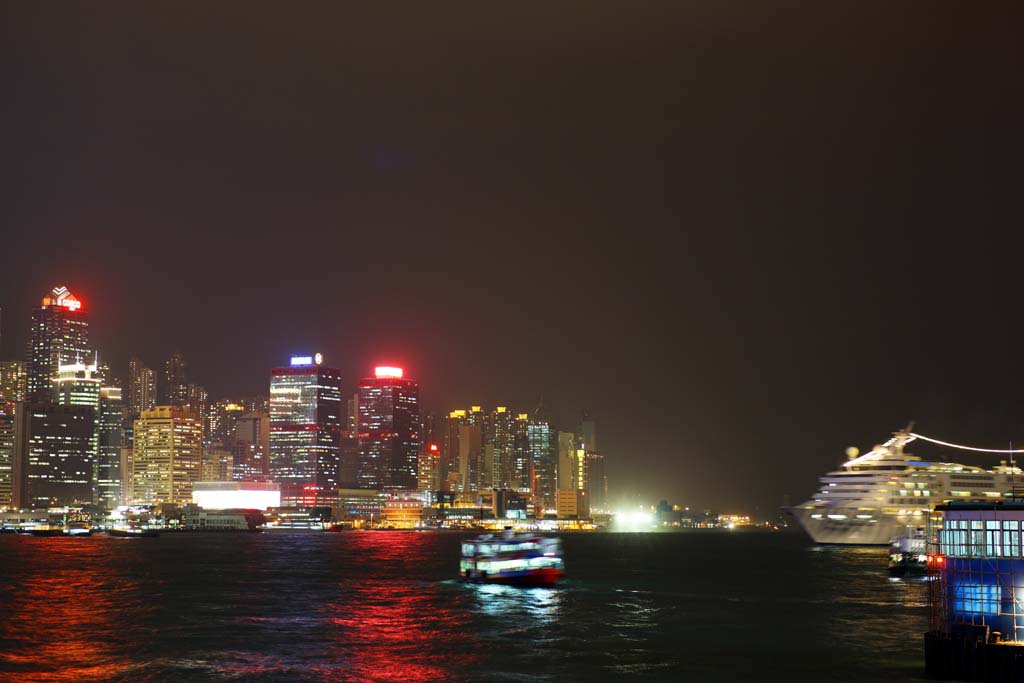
{"x":449,"y":472}
{"x":221,"y":419}
{"x":77,"y":384}
{"x":6,"y":460}
{"x":167,"y":456}
{"x":429,"y":468}
{"x":566,"y":459}
{"x":501,"y":438}
{"x":217,"y":465}
{"x":522,"y":464}
{"x":111,"y":436}
{"x":13,"y":385}
{"x":544,"y":454}
{"x":54,"y":455}
{"x":470,"y":457}
{"x":251,"y":450}
{"x":305,"y":431}
{"x":59,"y":336}
{"x":389,"y":422}
{"x":141,"y":388}
{"x":174,"y":381}
{"x":596,"y":481}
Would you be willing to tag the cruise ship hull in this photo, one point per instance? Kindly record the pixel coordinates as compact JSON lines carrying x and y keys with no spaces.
{"x":849,"y":531}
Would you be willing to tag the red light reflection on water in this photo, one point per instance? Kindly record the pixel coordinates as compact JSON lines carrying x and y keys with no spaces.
{"x":397,"y":630}
{"x":60,"y":622}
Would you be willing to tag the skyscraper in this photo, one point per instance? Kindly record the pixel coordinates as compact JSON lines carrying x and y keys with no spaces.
{"x":6,"y":460}
{"x":59,"y":336}
{"x":501,"y":439}
{"x":389,"y":421}
{"x":174,"y":381}
{"x":108,"y":461}
{"x":566,"y":459}
{"x":13,"y":385}
{"x":305,"y":431}
{"x":141,"y":388}
{"x":522,"y":466}
{"x":449,"y":474}
{"x":167,"y":456}
{"x":251,"y":448}
{"x":78,"y":384}
{"x":54,"y":456}
{"x":544,"y":455}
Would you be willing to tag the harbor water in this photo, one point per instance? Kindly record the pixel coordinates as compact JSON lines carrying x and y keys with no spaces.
{"x":385,"y":606}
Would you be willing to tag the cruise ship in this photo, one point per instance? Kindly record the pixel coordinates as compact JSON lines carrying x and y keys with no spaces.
{"x":888,"y":492}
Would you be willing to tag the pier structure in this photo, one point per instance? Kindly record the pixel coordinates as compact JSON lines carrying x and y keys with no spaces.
{"x":976,"y":592}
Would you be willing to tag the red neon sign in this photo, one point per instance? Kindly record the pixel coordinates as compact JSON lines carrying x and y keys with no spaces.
{"x":60,"y":296}
{"x":433,"y":448}
{"x":384,"y":371}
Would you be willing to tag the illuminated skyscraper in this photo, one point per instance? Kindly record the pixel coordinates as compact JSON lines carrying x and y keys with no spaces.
{"x":522,"y":470}
{"x":77,"y":384}
{"x":59,"y":336}
{"x":429,"y":468}
{"x":544,"y":455}
{"x":566,"y":459}
{"x":13,"y":385}
{"x":449,"y":471}
{"x":174,"y":381}
{"x":389,"y":421}
{"x":305,"y":431}
{"x":141,"y":388}
{"x":251,"y":449}
{"x":108,"y":461}
{"x":167,"y":456}
{"x":6,"y":460}
{"x":501,"y":438}
{"x":54,"y":459}
{"x":590,"y":464}
{"x":470,"y":456}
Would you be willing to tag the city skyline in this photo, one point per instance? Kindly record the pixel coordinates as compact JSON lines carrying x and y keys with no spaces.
{"x":745,"y":238}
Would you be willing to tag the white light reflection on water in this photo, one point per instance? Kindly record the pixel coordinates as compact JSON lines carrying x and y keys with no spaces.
{"x":542,"y":605}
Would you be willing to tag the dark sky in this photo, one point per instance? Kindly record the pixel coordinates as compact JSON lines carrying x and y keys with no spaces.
{"x":745,"y":235}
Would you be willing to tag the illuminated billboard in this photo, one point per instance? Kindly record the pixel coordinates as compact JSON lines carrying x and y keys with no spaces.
{"x":226,"y":495}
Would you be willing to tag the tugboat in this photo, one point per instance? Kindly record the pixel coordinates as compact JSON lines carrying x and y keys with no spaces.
{"x":510,"y":558}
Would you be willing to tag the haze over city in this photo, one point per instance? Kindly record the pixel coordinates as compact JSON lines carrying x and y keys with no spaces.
{"x":743,"y":238}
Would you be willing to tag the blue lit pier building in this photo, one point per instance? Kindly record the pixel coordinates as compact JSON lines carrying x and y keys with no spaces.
{"x":976,"y":593}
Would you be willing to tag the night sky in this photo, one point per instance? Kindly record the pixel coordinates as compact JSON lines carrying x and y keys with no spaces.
{"x":744,"y":235}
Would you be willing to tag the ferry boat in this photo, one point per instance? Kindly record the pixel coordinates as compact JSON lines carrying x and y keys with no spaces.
{"x":132,"y":532}
{"x":510,"y":558}
{"x":877,"y":496}
{"x":908,"y":555}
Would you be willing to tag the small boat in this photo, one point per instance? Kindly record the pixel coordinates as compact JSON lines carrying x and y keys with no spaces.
{"x":46,"y":530}
{"x":908,"y":555}
{"x":78,"y":530}
{"x":132,"y":532}
{"x":510,"y":558}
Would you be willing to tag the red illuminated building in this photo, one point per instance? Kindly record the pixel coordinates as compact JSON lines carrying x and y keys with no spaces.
{"x":389,"y":419}
{"x":59,"y":336}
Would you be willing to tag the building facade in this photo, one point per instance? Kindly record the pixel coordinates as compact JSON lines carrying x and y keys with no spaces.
{"x":305,"y":431}
{"x":54,"y":455}
{"x":110,"y":437}
{"x":13,"y":385}
{"x":389,"y":421}
{"x":59,"y":336}
{"x":167,"y":456}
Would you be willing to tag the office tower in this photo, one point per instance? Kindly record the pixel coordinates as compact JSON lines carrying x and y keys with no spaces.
{"x":427,"y":476}
{"x":470,"y":456}
{"x":449,"y":471}
{"x":500,"y":435}
{"x":167,"y":456}
{"x":77,"y":384}
{"x":6,"y":460}
{"x":127,"y":470}
{"x":13,"y":385}
{"x":543,"y":442}
{"x":596,"y":481}
{"x":251,"y":449}
{"x":54,"y":455}
{"x":141,"y":388}
{"x":305,"y":431}
{"x":111,"y":435}
{"x":174,"y":381}
{"x":352,"y":417}
{"x":522,"y":465}
{"x":566,"y":459}
{"x":590,"y":463}
{"x":59,"y":336}
{"x":480,"y":478}
{"x":389,"y":421}
{"x":217,"y":465}
{"x":221,"y":418}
